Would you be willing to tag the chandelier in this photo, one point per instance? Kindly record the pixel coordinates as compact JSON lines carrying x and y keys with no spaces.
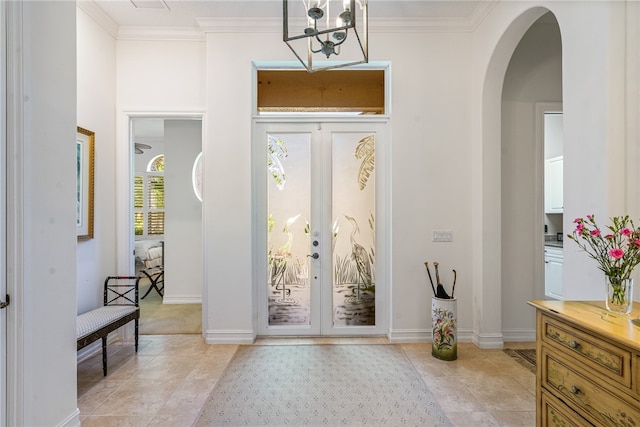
{"x":326,"y":34}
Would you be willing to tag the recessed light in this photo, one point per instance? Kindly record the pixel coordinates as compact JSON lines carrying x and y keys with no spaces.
{"x":149,"y":4}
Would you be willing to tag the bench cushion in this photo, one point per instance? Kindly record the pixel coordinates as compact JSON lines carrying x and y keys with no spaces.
{"x":93,"y":320}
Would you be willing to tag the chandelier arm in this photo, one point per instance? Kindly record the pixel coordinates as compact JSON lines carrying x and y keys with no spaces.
{"x":346,"y":34}
{"x":316,"y":51}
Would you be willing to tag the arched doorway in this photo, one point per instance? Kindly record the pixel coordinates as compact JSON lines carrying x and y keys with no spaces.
{"x":532,"y":80}
{"x":487,"y":183}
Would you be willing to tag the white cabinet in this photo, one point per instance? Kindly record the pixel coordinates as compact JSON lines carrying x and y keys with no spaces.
{"x":553,"y":191}
{"x":553,"y":259}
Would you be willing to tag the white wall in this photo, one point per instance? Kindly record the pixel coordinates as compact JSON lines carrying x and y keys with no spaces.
{"x":160,"y":76}
{"x":42,"y":267}
{"x":595,"y":92}
{"x":553,"y":135}
{"x":96,"y":101}
{"x":595,"y":128}
{"x":446,"y":133}
{"x":431,"y":165}
{"x":159,"y":79}
{"x":227,"y":176}
{"x":183,"y":274}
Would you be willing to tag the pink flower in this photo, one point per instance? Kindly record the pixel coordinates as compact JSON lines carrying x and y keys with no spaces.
{"x":609,"y":236}
{"x":580,"y":227}
{"x":590,"y":217}
{"x":595,"y":232}
{"x":637,"y":242}
{"x":578,"y":220}
{"x":625,"y":232}
{"x":616,"y":253}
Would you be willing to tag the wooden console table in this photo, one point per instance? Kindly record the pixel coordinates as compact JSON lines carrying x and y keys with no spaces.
{"x":587,"y":365}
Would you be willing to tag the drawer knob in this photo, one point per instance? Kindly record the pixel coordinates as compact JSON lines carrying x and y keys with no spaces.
{"x":575,"y":389}
{"x":574,"y":345}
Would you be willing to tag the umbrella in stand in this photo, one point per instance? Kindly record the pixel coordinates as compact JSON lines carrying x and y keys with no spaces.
{"x":426,"y":264}
{"x":440,"y":293}
{"x":453,"y":289}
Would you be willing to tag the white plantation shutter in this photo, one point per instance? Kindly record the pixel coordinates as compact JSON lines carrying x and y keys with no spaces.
{"x":148,"y":202}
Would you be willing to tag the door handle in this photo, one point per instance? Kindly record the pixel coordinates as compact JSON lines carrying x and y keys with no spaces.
{"x":314,"y":255}
{"x":4,"y":304}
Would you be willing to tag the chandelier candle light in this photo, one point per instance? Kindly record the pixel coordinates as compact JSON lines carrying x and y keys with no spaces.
{"x":617,"y":252}
{"x":325,"y":34}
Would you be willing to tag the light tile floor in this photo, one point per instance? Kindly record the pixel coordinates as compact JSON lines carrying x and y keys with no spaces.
{"x":170,"y":378}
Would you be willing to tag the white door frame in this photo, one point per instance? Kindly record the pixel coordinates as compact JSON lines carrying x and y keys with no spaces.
{"x":3,"y":215}
{"x":383,"y":221}
{"x":12,"y":139}
{"x":125,"y":172}
{"x":540,"y":109}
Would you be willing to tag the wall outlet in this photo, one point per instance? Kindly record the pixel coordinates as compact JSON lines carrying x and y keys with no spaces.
{"x":442,"y":236}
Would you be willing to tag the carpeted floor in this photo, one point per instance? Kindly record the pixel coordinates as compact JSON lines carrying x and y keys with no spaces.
{"x":166,"y":319}
{"x":334,"y":385}
{"x":526,"y":357}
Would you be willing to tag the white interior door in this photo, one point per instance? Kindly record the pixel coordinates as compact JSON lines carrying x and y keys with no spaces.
{"x":318,"y":190}
{"x":3,"y":218}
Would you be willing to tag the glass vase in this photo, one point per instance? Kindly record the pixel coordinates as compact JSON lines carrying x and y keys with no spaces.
{"x":619,"y":295}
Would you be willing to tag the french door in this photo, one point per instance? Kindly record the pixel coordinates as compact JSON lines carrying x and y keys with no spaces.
{"x":318,"y":192}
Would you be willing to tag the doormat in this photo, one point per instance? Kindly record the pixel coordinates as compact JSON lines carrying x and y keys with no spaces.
{"x":525,"y":357}
{"x":332,"y":385}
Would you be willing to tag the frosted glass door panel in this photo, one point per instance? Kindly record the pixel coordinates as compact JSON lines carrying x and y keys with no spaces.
{"x":353,"y":212}
{"x":289,"y":291}
{"x":319,"y":228}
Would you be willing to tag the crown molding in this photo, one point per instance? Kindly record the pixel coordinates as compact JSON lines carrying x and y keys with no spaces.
{"x":377,"y":25}
{"x":240,"y":25}
{"x":161,"y":33}
{"x":274,"y":25}
{"x":97,"y":14}
{"x":434,"y":25}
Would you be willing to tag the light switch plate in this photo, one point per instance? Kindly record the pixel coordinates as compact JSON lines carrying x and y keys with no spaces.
{"x":442,"y":236}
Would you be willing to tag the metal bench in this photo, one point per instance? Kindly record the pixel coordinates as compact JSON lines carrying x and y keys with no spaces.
{"x":120,"y":307}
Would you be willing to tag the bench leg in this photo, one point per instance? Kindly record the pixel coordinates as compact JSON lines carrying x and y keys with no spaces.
{"x":104,"y":356}
{"x":136,"y":328}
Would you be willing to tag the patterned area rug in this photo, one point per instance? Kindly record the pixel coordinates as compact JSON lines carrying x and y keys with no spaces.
{"x":332,"y":385}
{"x":526,"y":357}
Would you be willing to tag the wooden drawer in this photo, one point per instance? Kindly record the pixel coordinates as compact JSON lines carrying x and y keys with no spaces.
{"x":636,"y":378}
{"x":603,"y":357}
{"x":597,"y":404}
{"x":556,"y":413}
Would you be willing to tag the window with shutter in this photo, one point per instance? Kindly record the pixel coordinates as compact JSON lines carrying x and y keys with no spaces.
{"x":148,"y":200}
{"x":156,"y":191}
{"x":138,"y":205}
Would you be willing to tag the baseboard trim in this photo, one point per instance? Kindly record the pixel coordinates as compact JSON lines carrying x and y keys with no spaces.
{"x":182,"y":299}
{"x":409,"y":335}
{"x":73,"y":420}
{"x":519,"y":335}
{"x":423,"y":335}
{"x":488,"y":341}
{"x":229,"y":337}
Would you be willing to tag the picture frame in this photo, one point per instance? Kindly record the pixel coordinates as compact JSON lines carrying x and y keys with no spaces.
{"x":85,"y":168}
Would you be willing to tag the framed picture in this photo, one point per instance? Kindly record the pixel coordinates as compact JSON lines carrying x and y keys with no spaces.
{"x":85,"y":162}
